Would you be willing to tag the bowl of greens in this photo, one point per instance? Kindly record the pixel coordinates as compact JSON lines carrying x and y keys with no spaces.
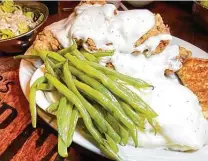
{"x":19,"y":23}
{"x":200,"y":13}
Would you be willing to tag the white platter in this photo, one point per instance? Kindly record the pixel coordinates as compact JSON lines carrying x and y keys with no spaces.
{"x":127,"y":153}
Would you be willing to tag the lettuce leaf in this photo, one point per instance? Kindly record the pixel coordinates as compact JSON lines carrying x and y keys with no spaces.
{"x":8,"y":6}
{"x":23,"y":27}
{"x":29,"y":15}
{"x":6,"y":33}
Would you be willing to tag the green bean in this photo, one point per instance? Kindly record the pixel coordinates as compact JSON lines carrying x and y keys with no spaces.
{"x":45,"y":87}
{"x":75,"y":115}
{"x":112,"y":144}
{"x":62,"y":148}
{"x":100,"y":53}
{"x":54,"y":71}
{"x":68,"y":78}
{"x":155,"y":127}
{"x":133,"y":115}
{"x":110,"y":141}
{"x":68,"y":49}
{"x":56,"y":56}
{"x":124,"y":135}
{"x":84,"y":114}
{"x":150,"y":113}
{"x":75,"y":100}
{"x":53,"y":62}
{"x":104,"y":114}
{"x":52,"y":109}
{"x":138,"y":83}
{"x":91,"y":110}
{"x":110,"y":106}
{"x":103,"y":100}
{"x":32,"y":100}
{"x":120,"y":91}
{"x":106,"y":149}
{"x":63,"y":118}
{"x":114,"y":78}
{"x":104,"y":53}
{"x":96,"y":85}
{"x":122,"y":130}
{"x":57,"y":71}
{"x":73,"y":122}
{"x":58,"y":65}
{"x":48,"y":67}
{"x":99,"y":128}
{"x":116,"y":125}
{"x":89,"y":56}
{"x":93,"y":83}
{"x":78,"y":54}
{"x":26,"y":57}
{"x":43,"y":54}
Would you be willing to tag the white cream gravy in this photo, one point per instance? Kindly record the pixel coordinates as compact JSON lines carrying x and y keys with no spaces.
{"x":179,"y":113}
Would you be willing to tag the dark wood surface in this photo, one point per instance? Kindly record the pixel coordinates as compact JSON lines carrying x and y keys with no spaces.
{"x":19,"y":141}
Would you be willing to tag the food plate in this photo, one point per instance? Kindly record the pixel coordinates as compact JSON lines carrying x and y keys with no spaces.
{"x":128,"y":153}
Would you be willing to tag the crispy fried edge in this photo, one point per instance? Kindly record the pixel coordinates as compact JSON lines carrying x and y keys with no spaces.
{"x":182,"y":76}
{"x":183,"y":55}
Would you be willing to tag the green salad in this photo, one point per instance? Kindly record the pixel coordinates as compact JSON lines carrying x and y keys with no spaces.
{"x":16,"y":20}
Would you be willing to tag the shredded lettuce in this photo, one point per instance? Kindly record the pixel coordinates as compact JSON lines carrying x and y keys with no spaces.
{"x":23,"y":27}
{"x":8,"y":6}
{"x":29,"y":15}
{"x":4,"y":37}
{"x":6,"y":33}
{"x":16,"y":19}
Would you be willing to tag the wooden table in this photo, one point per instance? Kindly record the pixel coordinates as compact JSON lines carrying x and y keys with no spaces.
{"x":19,"y":141}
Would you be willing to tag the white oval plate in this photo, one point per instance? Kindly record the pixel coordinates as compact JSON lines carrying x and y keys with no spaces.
{"x":127,"y":153}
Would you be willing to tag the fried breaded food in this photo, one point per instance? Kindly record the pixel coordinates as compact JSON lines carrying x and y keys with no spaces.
{"x":92,"y":2}
{"x":159,"y":28}
{"x":194,"y":75}
{"x":46,"y":41}
{"x":183,"y":55}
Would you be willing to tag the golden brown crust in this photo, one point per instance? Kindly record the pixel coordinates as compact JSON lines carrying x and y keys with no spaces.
{"x":159,"y":28}
{"x":102,"y":2}
{"x":183,"y":55}
{"x":163,"y":44}
{"x":194,"y":75}
{"x":46,"y":41}
{"x":91,"y":45}
{"x":110,"y":65}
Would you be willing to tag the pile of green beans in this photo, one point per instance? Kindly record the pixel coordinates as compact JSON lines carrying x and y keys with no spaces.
{"x":111,"y":112}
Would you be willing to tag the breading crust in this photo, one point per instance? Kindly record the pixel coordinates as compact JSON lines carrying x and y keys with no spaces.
{"x":159,"y":28}
{"x":46,"y":41}
{"x":194,"y":75}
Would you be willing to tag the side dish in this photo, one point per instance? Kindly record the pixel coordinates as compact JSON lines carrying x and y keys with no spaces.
{"x":16,"y":19}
